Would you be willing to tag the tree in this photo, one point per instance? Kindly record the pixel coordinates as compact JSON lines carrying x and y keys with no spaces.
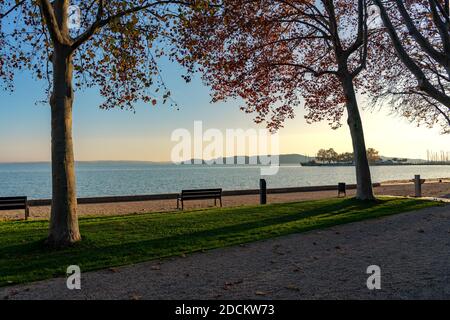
{"x":277,"y":54}
{"x":412,"y":68}
{"x":322,"y":155}
{"x":115,"y":48}
{"x":6,"y":9}
{"x":332,"y":156}
{"x":327,"y":155}
{"x":345,"y":157}
{"x":373,"y":155}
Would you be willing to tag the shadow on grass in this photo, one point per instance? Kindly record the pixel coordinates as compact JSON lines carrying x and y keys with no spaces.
{"x":31,"y":260}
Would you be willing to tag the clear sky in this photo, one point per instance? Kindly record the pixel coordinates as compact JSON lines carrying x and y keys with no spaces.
{"x":145,"y":135}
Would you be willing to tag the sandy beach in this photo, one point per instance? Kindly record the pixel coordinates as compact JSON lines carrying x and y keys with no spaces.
{"x":394,"y":188}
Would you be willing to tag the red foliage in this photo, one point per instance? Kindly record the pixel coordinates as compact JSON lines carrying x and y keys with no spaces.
{"x":277,"y":55}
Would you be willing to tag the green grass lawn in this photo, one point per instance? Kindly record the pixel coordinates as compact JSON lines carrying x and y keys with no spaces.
{"x":121,"y":240}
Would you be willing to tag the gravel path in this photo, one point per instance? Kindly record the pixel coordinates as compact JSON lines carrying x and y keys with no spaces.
{"x":412,"y":249}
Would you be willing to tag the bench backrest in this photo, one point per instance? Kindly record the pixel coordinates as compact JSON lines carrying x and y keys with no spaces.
{"x":201,"y":193}
{"x":12,"y":203}
{"x":342,"y":187}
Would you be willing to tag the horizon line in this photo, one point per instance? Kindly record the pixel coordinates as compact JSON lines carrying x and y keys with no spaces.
{"x":171,"y":162}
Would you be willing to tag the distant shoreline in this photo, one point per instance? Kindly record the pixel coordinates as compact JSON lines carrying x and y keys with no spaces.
{"x":282,"y":159}
{"x":375,"y":164}
{"x":235,"y":164}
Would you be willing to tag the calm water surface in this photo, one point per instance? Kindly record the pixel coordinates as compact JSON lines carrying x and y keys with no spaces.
{"x":130,"y":178}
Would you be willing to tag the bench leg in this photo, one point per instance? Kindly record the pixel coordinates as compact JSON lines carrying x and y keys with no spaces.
{"x":182,"y":204}
{"x":178,"y":204}
{"x":220,"y":202}
{"x":27,"y":213}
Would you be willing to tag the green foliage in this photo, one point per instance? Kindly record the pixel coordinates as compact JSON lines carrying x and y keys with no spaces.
{"x":327,"y":155}
{"x":330,"y":156}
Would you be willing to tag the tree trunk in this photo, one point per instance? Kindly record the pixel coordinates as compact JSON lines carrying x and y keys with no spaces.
{"x":363,"y":177}
{"x":64,"y":229}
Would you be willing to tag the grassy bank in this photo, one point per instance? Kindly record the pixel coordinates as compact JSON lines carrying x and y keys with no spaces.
{"x":113,"y":241}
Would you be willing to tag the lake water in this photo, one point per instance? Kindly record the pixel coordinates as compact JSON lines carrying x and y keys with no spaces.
{"x":130,"y":178}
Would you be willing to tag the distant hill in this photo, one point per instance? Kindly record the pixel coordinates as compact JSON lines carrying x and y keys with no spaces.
{"x":283,"y":158}
{"x":297,"y":159}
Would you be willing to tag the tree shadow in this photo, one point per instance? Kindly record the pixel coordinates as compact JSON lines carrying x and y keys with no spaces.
{"x":34,"y":257}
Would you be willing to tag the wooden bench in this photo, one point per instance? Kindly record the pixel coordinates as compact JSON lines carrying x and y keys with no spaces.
{"x":199,"y":194}
{"x":15,"y":203}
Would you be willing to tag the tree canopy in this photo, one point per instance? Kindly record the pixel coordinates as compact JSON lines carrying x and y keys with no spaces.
{"x":115,"y":49}
{"x":278,"y":54}
{"x":410,"y":70}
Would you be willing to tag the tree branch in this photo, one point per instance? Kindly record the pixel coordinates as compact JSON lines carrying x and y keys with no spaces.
{"x":420,"y":39}
{"x":52,"y":24}
{"x":100,"y":23}
{"x":18,"y":4}
{"x":424,"y":83}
